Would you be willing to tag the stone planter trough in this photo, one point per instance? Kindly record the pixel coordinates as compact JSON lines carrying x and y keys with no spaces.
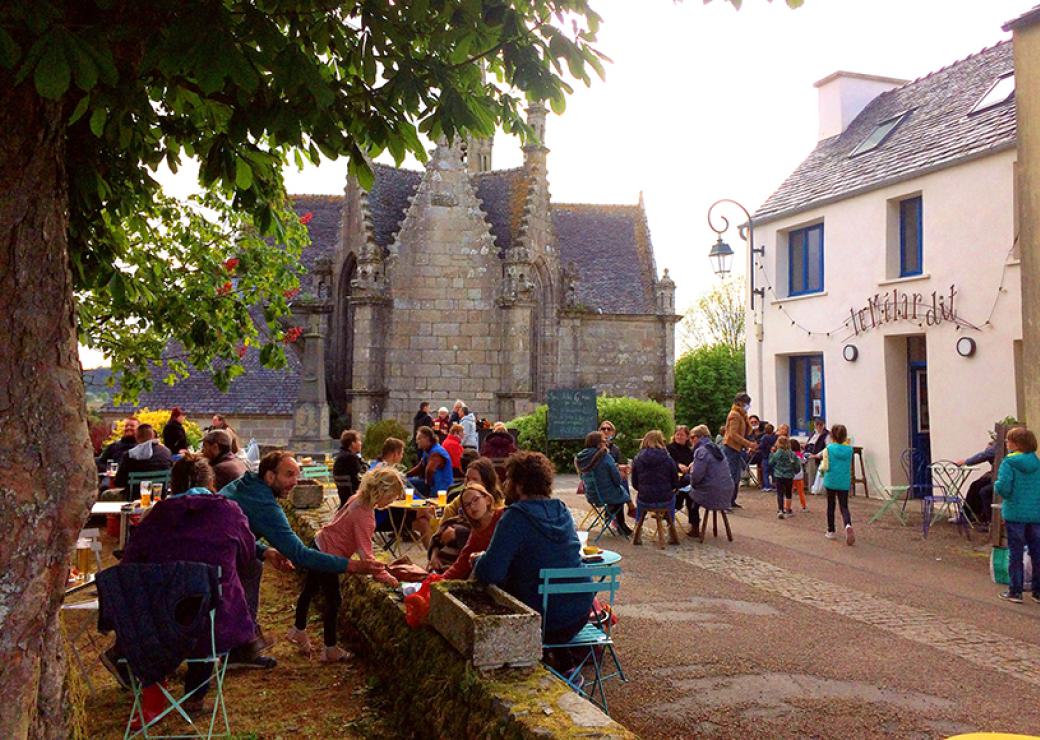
{"x":307,"y":495}
{"x":489,"y":640}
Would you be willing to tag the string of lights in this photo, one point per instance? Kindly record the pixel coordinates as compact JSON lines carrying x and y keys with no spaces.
{"x":778,"y":301}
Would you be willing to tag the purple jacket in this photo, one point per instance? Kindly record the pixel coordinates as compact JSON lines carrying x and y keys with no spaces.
{"x":709,"y":477}
{"x":201,"y":527}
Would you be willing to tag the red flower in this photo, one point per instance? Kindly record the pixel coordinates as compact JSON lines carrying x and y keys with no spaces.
{"x":241,"y":351}
{"x":290,"y":294}
{"x":292,"y":334}
{"x":225,"y":288}
{"x":231,"y":264}
{"x":306,"y":218}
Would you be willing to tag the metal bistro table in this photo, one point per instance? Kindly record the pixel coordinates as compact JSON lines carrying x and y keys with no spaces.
{"x":400,"y":527}
{"x":607,"y":557}
{"x":121,"y":508}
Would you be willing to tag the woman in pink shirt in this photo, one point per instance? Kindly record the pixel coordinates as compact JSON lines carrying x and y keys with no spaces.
{"x":482,"y":512}
{"x":349,"y":532}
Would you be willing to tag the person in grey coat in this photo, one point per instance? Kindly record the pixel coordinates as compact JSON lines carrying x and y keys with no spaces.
{"x":709,"y":474}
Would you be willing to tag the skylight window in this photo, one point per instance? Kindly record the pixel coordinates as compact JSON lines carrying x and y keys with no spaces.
{"x":1000,"y":92}
{"x":879,"y":134}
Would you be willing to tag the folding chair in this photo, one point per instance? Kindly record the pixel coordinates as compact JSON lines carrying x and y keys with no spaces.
{"x":915,"y":466}
{"x":594,"y":641}
{"x":316,"y":472}
{"x":893,"y":495}
{"x":218,"y":663}
{"x":599,"y":512}
{"x":949,"y":477}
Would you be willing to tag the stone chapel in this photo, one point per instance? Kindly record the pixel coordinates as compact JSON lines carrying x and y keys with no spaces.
{"x":459,"y":281}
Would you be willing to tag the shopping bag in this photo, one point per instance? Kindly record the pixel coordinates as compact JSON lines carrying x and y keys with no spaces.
{"x":817,"y":484}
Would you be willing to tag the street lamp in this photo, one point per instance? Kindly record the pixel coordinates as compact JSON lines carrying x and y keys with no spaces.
{"x":721,"y":254}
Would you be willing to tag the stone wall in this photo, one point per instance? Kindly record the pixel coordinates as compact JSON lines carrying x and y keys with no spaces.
{"x":443,"y":337}
{"x":619,"y":355}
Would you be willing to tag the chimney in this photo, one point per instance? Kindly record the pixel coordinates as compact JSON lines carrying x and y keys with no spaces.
{"x":844,"y":95}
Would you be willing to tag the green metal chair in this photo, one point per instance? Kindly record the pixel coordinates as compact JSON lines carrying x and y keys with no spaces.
{"x":316,"y":472}
{"x":594,"y":640}
{"x":892,"y":498}
{"x":218,"y":661}
{"x":133,"y":480}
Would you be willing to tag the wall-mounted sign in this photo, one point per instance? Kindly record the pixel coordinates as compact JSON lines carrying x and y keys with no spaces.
{"x":899,"y":305}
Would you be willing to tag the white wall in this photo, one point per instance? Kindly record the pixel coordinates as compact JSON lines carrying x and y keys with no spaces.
{"x":968,"y":231}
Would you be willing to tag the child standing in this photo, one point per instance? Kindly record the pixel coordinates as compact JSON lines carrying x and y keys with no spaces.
{"x":837,"y":478}
{"x":784,"y":465}
{"x":799,"y":477}
{"x":765,"y":449}
{"x":349,"y":532}
{"x":1018,"y":483}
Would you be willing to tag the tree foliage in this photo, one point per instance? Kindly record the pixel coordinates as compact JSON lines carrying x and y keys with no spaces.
{"x":246,"y":87}
{"x":718,"y":317}
{"x":706,"y":380}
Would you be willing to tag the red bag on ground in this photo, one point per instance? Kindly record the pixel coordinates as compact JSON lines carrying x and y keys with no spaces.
{"x":417,"y":605}
{"x":601,"y":614}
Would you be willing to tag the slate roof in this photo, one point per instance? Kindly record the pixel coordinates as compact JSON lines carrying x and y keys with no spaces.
{"x":389,"y":198}
{"x":940,"y":131}
{"x":259,"y":390}
{"x":502,"y":194}
{"x":611,"y":249}
{"x":326,"y":218}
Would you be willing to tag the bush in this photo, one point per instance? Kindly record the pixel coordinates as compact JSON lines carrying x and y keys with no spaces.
{"x":157,"y":419}
{"x":706,"y":380}
{"x":632,"y":417}
{"x":376,"y":434}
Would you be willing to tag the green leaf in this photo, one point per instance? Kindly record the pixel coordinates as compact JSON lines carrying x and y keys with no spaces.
{"x":97,"y":121}
{"x":80,"y":109}
{"x":243,"y":174}
{"x":52,"y":74}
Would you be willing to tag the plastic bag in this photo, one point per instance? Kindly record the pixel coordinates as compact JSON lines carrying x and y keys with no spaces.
{"x":417,"y":605}
{"x":817,"y":484}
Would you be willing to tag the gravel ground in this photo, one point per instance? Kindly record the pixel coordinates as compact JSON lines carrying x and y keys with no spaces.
{"x":783,"y":633}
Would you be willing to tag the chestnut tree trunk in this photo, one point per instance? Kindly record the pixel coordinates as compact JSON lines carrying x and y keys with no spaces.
{"x":47,"y":475}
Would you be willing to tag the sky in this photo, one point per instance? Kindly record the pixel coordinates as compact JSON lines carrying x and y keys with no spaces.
{"x":704,"y":102}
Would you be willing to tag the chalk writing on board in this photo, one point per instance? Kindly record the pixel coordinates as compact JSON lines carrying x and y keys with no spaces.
{"x":572,"y":413}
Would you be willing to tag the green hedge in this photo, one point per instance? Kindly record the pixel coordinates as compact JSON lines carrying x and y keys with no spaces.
{"x":632,"y":417}
{"x":376,"y":434}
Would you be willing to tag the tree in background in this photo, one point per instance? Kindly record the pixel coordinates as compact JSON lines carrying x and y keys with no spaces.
{"x":716,"y":318}
{"x":94,"y":96}
{"x":706,"y":380}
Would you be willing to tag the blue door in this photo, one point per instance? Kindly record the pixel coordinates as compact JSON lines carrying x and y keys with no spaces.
{"x":920,"y":438}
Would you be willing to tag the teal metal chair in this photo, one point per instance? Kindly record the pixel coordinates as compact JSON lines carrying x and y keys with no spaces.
{"x":599,"y":514}
{"x":892,"y":497}
{"x":133,"y":481}
{"x":200,"y":729}
{"x":594,"y":641}
{"x":316,"y":472}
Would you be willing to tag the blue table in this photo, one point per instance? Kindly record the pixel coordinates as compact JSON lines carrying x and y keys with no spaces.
{"x":610,"y":557}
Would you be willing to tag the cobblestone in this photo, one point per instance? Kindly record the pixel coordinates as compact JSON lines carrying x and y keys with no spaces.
{"x":1015,"y":658}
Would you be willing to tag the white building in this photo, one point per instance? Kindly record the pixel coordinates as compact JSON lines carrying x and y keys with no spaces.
{"x":892,"y":289}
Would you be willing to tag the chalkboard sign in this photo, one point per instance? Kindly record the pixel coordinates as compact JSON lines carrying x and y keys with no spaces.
{"x":572,"y":413}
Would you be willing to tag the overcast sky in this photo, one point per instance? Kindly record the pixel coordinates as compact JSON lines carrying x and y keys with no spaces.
{"x":704,"y":102}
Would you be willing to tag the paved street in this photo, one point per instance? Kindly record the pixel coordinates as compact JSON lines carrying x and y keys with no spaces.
{"x":783,"y":633}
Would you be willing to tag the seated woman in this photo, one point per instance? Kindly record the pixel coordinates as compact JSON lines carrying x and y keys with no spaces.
{"x":655,"y":476}
{"x":480,"y":471}
{"x":710,"y":481}
{"x":482,"y":513}
{"x":192,"y":524}
{"x":499,"y":443}
{"x":453,"y":444}
{"x":602,"y":480}
{"x":535,"y":532}
{"x":681,"y":451}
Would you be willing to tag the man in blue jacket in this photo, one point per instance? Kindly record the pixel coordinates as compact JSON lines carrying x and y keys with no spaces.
{"x":535,"y":532}
{"x":257,"y":495}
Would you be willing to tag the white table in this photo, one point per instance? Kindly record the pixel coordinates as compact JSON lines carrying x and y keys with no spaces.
{"x":115,"y":507}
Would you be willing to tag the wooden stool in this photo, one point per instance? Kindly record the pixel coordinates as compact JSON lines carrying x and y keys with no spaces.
{"x":661,"y":516}
{"x":857,"y":452}
{"x":715,"y":524}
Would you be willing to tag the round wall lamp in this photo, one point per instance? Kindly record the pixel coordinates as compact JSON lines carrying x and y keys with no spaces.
{"x":966,"y":346}
{"x":850,"y":353}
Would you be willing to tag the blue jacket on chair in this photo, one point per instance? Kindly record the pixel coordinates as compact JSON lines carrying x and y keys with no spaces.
{"x":160,"y":612}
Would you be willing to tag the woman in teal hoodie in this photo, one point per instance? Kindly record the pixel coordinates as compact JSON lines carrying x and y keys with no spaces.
{"x":1018,"y":483}
{"x":837,"y":479}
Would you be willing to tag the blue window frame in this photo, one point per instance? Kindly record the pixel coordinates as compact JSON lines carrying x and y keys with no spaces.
{"x":808,"y":395}
{"x":805,"y":260}
{"x":911,"y":241}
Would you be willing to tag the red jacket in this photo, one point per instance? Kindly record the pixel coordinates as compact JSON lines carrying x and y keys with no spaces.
{"x":454,"y":449}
